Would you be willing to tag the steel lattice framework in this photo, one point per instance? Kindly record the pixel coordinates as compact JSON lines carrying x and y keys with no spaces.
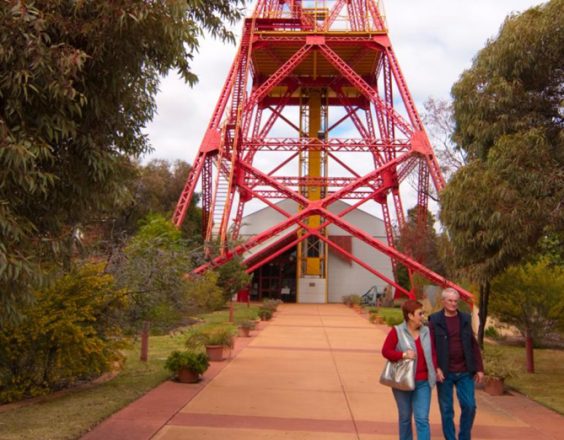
{"x":296,"y":60}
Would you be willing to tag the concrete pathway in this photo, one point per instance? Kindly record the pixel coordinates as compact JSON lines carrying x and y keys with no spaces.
{"x":311,"y":373}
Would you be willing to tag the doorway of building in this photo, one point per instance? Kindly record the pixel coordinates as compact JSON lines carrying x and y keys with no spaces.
{"x":276,"y":279}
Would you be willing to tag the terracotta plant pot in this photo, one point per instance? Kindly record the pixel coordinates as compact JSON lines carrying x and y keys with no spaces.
{"x":215,"y":353}
{"x":185,"y":375}
{"x":377,"y":319}
{"x":244,"y":332}
{"x":494,"y":386}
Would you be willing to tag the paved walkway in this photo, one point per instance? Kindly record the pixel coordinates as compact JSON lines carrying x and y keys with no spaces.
{"x":311,"y":373}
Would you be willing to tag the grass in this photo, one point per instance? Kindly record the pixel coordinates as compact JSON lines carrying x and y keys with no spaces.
{"x":73,"y":413}
{"x":546,"y":385}
{"x":393,"y":313}
{"x":240,"y":313}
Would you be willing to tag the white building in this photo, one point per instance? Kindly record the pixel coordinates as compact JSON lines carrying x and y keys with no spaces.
{"x":277,"y":278}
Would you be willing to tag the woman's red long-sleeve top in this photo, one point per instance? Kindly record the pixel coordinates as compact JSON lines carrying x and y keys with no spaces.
{"x":389,"y":352}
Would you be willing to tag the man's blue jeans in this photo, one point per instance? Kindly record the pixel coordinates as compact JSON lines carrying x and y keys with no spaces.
{"x":418,"y":403}
{"x":464,"y":384}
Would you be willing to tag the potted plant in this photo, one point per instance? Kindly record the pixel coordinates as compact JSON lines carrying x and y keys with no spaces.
{"x":187,"y":366}
{"x":374,"y":317}
{"x":214,"y":339}
{"x":271,"y":304}
{"x":355,"y":301}
{"x":265,"y":314}
{"x":245,"y":327}
{"x":497,"y":369}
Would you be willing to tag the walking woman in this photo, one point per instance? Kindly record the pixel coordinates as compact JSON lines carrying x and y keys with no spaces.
{"x":420,"y":348}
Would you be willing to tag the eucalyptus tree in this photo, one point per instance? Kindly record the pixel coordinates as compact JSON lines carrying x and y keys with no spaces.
{"x":77,"y":85}
{"x":508,"y":121}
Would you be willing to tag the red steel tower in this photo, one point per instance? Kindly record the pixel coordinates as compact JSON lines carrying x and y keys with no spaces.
{"x":315,"y":109}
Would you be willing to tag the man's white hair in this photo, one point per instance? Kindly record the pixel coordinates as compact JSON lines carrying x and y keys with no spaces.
{"x":449,"y":291}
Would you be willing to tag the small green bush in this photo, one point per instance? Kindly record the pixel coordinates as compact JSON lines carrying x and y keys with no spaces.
{"x":393,"y":320}
{"x":204,"y":292}
{"x":271,"y":304}
{"x":265,"y":314}
{"x":199,"y":336}
{"x":496,"y":364}
{"x":194,"y":361}
{"x":355,"y":300}
{"x":71,"y":332}
{"x":248,"y":324}
{"x":492,"y":332}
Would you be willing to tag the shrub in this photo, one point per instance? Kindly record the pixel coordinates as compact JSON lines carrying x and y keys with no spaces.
{"x":204,"y":293}
{"x":492,"y":332}
{"x":196,"y":362}
{"x":71,"y":332}
{"x":393,"y":320}
{"x":271,"y":304}
{"x":497,"y":365}
{"x":152,"y":268}
{"x":248,"y":324}
{"x":355,"y":300}
{"x":201,"y":335}
{"x":265,"y":314}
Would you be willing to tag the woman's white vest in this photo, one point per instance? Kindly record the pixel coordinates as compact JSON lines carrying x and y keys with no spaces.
{"x":425,"y":337}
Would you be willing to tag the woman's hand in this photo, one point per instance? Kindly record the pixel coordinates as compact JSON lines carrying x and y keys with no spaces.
{"x":409,"y":354}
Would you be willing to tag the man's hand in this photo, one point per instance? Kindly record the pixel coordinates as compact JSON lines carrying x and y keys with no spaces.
{"x":479,"y":377}
{"x":440,"y":375}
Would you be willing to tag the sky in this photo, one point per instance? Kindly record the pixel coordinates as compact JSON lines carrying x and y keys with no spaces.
{"x":434,"y":41}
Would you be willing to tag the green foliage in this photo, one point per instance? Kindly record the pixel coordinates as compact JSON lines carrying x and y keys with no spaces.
{"x":491,"y":332}
{"x":507,"y":109}
{"x":391,"y":315}
{"x":153,"y":270}
{"x":496,"y":364}
{"x":265,"y":313}
{"x":196,"y":362}
{"x":70,"y":332}
{"x":247,"y":324}
{"x":271,"y":304}
{"x":77,"y":87}
{"x":198,"y":336}
{"x":204,"y":293}
{"x":155,"y":190}
{"x":529,"y":296}
{"x":355,"y":299}
{"x":232,"y":277}
{"x":392,"y":320}
{"x":422,"y":244}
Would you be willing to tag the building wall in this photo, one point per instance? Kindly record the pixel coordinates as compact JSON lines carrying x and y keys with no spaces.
{"x":343,"y":278}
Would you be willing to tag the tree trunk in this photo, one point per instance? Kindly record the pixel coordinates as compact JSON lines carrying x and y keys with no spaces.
{"x":529,"y":352}
{"x":144,"y":342}
{"x":484,"y":299}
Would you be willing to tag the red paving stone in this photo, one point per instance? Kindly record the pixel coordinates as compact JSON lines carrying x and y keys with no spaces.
{"x":309,"y":374}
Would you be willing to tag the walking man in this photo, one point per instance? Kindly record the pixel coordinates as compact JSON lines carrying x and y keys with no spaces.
{"x":460,"y":364}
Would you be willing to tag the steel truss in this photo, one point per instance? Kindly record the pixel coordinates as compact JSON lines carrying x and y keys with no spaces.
{"x":288,"y":48}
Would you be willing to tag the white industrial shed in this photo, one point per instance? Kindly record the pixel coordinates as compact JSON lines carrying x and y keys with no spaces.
{"x":277,"y":278}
